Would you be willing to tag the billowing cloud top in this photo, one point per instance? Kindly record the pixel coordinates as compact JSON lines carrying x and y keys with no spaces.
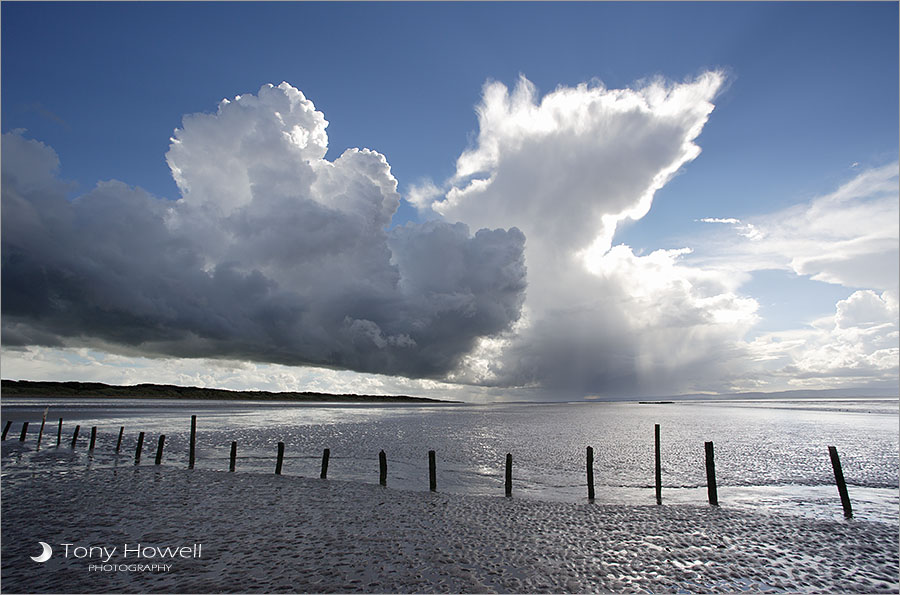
{"x":566,"y":169}
{"x":571,"y":165}
{"x":273,"y":253}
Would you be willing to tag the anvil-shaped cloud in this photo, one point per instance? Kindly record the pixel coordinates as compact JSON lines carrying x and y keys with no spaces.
{"x":566,"y":169}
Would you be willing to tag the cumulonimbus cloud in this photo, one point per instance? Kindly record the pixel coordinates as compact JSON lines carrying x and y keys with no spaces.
{"x":566,"y":169}
{"x":272,"y":254}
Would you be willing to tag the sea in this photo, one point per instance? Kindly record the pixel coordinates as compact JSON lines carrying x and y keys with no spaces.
{"x":770,"y":455}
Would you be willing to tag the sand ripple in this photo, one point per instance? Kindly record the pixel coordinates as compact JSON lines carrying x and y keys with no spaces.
{"x":265,"y":533}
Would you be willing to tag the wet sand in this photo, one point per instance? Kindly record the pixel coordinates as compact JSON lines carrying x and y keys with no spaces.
{"x":267,"y":533}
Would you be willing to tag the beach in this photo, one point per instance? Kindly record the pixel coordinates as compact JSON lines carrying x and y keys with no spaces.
{"x":116,"y":526}
{"x":268,"y":533}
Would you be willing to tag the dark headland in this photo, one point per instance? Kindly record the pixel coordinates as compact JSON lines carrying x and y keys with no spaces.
{"x":29,"y":388}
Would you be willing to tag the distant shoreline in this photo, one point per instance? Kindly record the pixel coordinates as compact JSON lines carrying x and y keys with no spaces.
{"x":29,"y":388}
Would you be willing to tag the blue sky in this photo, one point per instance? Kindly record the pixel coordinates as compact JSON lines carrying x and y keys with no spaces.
{"x":807,"y":103}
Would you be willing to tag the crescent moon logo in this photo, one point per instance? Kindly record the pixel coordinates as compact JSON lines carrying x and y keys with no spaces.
{"x":45,"y":555}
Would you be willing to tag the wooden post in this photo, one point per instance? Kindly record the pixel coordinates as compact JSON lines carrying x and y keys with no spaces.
{"x":193,"y":441}
{"x":841,"y":484}
{"x":382,"y":468}
{"x":280,"y":460}
{"x":93,"y":437}
{"x":119,"y":441}
{"x":432,"y":471}
{"x":43,"y":421}
{"x":658,"y":466}
{"x":233,"y":455}
{"x":711,"y":475}
{"x":24,"y":431}
{"x":159,"y":448}
{"x":326,"y":454}
{"x":59,"y":433}
{"x":75,"y":436}
{"x":140,"y":445}
{"x":6,"y":428}
{"x":508,"y":475}
{"x":590,"y":472}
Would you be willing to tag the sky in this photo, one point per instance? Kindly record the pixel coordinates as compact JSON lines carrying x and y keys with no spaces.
{"x":479,"y":201}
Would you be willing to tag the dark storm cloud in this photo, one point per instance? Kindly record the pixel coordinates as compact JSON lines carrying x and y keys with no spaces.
{"x":272,"y":254}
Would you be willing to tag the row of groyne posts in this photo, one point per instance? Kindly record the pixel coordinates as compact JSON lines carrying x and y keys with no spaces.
{"x":711,"y":488}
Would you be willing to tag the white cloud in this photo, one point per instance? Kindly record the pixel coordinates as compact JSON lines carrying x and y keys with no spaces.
{"x":422,"y":195}
{"x":728,"y":221}
{"x":859,"y":345}
{"x":566,"y":168}
{"x":748,"y":230}
{"x":571,"y":166}
{"x":850,"y":237}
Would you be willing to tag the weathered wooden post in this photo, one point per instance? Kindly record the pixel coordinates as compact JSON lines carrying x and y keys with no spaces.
{"x":193,"y":441}
{"x":326,"y":454}
{"x":75,"y":436}
{"x":590,"y":472}
{"x":93,"y":437}
{"x":841,"y":484}
{"x":508,"y":475}
{"x":140,"y":445}
{"x":382,"y":468}
{"x":6,"y":429}
{"x":59,"y":433}
{"x":119,"y":441}
{"x":432,"y":471}
{"x":231,"y":463}
{"x":41,"y":432}
{"x":24,"y":431}
{"x":658,"y":466}
{"x":280,"y":460}
{"x":711,"y":475}
{"x":159,"y":448}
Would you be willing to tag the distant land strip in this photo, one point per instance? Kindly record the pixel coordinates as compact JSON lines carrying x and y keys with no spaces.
{"x":29,"y":388}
